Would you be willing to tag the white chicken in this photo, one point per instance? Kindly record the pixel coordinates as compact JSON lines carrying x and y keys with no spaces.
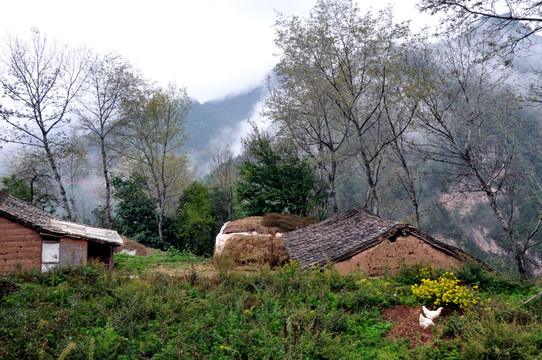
{"x":425,"y":322}
{"x":431,"y":314}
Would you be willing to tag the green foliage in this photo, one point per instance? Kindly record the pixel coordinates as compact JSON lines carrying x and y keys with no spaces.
{"x":287,"y":313}
{"x":276,"y":180}
{"x":17,"y":187}
{"x":88,"y":313}
{"x":490,"y":338}
{"x":194,"y":221}
{"x":442,"y":351}
{"x":171,"y":259}
{"x":22,"y":190}
{"x":496,"y":283}
{"x":222,"y":207}
{"x":410,"y":275}
{"x":286,"y":222}
{"x":135,"y":211}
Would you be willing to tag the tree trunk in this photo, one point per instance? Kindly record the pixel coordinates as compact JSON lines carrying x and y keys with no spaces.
{"x":230,"y":202}
{"x":410,"y":182}
{"x":108,"y":220}
{"x":333,"y":191}
{"x":58,"y":179}
{"x":371,"y":198}
{"x":518,"y":251}
{"x":161,"y":219}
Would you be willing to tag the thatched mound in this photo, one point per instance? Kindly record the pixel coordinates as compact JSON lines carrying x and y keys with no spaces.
{"x":256,"y":239}
{"x":249,"y":225}
{"x":255,"y":249}
{"x":132,"y":247}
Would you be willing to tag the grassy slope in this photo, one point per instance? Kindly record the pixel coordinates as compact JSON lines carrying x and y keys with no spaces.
{"x":285,"y":313}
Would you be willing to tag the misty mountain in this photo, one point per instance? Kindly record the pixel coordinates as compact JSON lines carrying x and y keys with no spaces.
{"x":214,"y":124}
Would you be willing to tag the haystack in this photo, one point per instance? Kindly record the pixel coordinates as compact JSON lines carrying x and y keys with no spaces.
{"x":132,"y":247}
{"x":257,"y":239}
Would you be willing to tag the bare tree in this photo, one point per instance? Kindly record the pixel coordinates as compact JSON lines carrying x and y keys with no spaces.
{"x":400,"y":110}
{"x":102,"y":110}
{"x":471,"y":123}
{"x":223,"y":177}
{"x":504,"y":15}
{"x":155,"y":136}
{"x":40,"y":79}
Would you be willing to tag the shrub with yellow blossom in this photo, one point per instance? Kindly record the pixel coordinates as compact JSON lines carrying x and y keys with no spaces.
{"x":446,"y":291}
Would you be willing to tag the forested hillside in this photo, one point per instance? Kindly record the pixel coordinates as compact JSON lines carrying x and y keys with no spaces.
{"x":215,"y":124}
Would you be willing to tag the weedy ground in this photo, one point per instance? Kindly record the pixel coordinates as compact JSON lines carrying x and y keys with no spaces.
{"x":138,"y":312}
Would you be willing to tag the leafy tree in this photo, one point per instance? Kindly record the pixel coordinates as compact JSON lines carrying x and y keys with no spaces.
{"x":276,"y":179}
{"x":194,"y":222}
{"x":135,"y":211}
{"x":28,"y":192}
{"x":154,"y":139}
{"x":31,"y":179}
{"x":333,"y":74}
{"x":42,"y":80}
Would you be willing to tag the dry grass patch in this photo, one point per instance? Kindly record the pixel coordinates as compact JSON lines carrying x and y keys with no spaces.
{"x":254,"y":249}
{"x":249,"y":225}
{"x":141,"y":250}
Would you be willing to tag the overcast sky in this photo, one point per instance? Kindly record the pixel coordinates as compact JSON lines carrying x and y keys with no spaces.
{"x":213,"y":47}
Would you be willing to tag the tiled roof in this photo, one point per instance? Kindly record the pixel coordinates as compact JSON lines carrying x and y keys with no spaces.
{"x":33,"y":217}
{"x":345,"y":235}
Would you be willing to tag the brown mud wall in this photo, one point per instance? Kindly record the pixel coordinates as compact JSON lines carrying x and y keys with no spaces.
{"x":18,"y":245}
{"x":390,"y":256}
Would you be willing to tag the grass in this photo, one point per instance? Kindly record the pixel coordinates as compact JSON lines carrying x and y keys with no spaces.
{"x":286,"y":313}
{"x":171,"y":259}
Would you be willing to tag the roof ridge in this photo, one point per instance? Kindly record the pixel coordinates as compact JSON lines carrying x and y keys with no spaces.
{"x":349,"y":233}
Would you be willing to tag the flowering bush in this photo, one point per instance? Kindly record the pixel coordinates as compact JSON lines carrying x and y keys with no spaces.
{"x":446,"y":291}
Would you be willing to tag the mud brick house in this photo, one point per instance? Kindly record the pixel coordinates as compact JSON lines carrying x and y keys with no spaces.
{"x":33,"y":238}
{"x":359,"y":240}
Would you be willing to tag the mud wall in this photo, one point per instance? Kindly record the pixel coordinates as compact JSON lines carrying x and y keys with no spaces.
{"x":18,"y":245}
{"x":390,"y":256}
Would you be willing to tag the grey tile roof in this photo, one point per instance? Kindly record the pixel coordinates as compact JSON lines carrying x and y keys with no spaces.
{"x":35,"y":218}
{"x":345,"y":235}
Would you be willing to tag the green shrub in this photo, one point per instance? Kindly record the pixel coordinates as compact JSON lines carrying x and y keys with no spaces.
{"x":489,"y":338}
{"x":287,"y":222}
{"x":271,"y":314}
{"x":441,"y":351}
{"x":410,"y":275}
{"x":472,"y":274}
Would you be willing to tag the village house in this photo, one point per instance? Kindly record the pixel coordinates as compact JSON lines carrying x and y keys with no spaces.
{"x":33,"y":238}
{"x":359,"y":240}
